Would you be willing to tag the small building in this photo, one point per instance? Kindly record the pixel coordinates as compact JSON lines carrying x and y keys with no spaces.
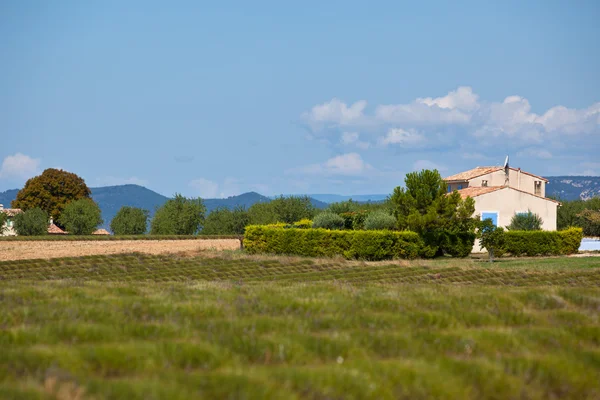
{"x":101,"y":232}
{"x":9,"y":224}
{"x":502,"y":192}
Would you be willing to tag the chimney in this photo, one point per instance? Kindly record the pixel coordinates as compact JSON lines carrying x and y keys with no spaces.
{"x":1,"y":207}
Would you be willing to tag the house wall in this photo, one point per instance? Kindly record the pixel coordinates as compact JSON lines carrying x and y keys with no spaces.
{"x":8,"y":229}
{"x":517,"y":180}
{"x":507,"y":202}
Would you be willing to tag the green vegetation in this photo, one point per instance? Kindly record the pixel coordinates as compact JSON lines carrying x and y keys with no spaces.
{"x":138,"y":327}
{"x":536,"y":243}
{"x":129,"y":221}
{"x":379,"y":220}
{"x":178,"y":216}
{"x":33,"y":222}
{"x":81,"y":217}
{"x":223,"y":221}
{"x":282,"y":209}
{"x":444,"y":222}
{"x":3,"y":221}
{"x":363,"y":245}
{"x":525,"y":222}
{"x":328,"y":220}
{"x":573,"y":213}
{"x":52,"y":191}
{"x":491,"y":238}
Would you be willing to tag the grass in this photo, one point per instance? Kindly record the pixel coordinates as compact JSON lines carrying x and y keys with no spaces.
{"x":233,"y":326}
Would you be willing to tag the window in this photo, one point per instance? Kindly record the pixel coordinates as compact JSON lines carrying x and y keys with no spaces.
{"x":449,"y":188}
{"x":537,"y":188}
{"x":484,"y":183}
{"x":490,"y":215}
{"x":459,"y":186}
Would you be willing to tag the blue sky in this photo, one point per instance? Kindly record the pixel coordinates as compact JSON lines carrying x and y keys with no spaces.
{"x":218,"y":98}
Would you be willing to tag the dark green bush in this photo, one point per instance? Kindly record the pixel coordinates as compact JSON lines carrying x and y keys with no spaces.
{"x":379,"y":220}
{"x":365,"y":245}
{"x":328,"y":220}
{"x":33,"y":222}
{"x":81,"y":217}
{"x":536,"y":243}
{"x":355,"y":219}
{"x":528,"y":221}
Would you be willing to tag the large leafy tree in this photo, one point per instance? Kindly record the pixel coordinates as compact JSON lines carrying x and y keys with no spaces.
{"x":224,"y":221}
{"x":52,"y":191}
{"x":81,"y":217}
{"x":444,"y":221}
{"x":179,"y":216}
{"x":590,"y":222}
{"x":33,"y":222}
{"x":288,"y":209}
{"x":129,"y":221}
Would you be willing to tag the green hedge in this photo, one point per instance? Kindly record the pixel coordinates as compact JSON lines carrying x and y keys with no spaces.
{"x":536,"y":243}
{"x":364,"y":245}
{"x":67,"y":238}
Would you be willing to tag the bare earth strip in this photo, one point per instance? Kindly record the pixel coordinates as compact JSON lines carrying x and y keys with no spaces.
{"x":54,"y":249}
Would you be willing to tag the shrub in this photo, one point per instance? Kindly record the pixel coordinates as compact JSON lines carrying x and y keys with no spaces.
{"x":302,"y":224}
{"x":3,"y":221}
{"x":378,"y":220}
{"x":491,"y":238}
{"x":355,"y":219}
{"x":534,"y":243}
{"x":366,"y":245}
{"x":81,"y":217}
{"x":525,"y":222}
{"x":33,"y":222}
{"x":328,"y":220}
{"x":129,"y":221}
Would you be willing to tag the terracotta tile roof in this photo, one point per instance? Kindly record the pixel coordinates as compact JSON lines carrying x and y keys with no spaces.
{"x":11,"y":212}
{"x":55,"y":230}
{"x":472,"y":173}
{"x":101,"y":232}
{"x":478,"y":191}
{"x":475,"y":172}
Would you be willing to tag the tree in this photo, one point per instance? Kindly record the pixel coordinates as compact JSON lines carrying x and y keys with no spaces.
{"x":525,"y":222}
{"x":590,"y":222}
{"x":378,"y":220}
{"x":283,"y":209}
{"x":33,"y":222}
{"x":81,"y":217}
{"x":444,"y":221}
{"x":51,"y":191}
{"x":130,"y":221}
{"x":328,"y":220}
{"x":491,"y":237}
{"x":179,"y":216}
{"x":3,"y":221}
{"x":223,"y":221}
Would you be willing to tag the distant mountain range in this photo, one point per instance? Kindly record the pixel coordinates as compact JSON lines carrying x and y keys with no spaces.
{"x":112,"y":198}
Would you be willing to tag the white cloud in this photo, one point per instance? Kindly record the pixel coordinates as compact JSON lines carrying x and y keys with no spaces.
{"x":335,"y":111}
{"x":426,"y":164}
{"x":353,"y":138}
{"x":460,"y":117}
{"x":401,"y":137}
{"x":350,"y":164}
{"x":204,"y":188}
{"x":114,"y":181}
{"x":19,"y":166}
{"x":462,"y":98}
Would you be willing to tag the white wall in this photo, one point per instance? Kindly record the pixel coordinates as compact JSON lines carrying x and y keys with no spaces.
{"x":507,"y":202}
{"x":517,"y":180}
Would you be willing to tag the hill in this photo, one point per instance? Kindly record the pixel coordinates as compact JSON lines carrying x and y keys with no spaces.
{"x":573,"y":187}
{"x":361,"y":198}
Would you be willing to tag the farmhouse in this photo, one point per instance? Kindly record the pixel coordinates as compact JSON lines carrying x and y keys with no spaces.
{"x":9,"y":225}
{"x":502,"y":192}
